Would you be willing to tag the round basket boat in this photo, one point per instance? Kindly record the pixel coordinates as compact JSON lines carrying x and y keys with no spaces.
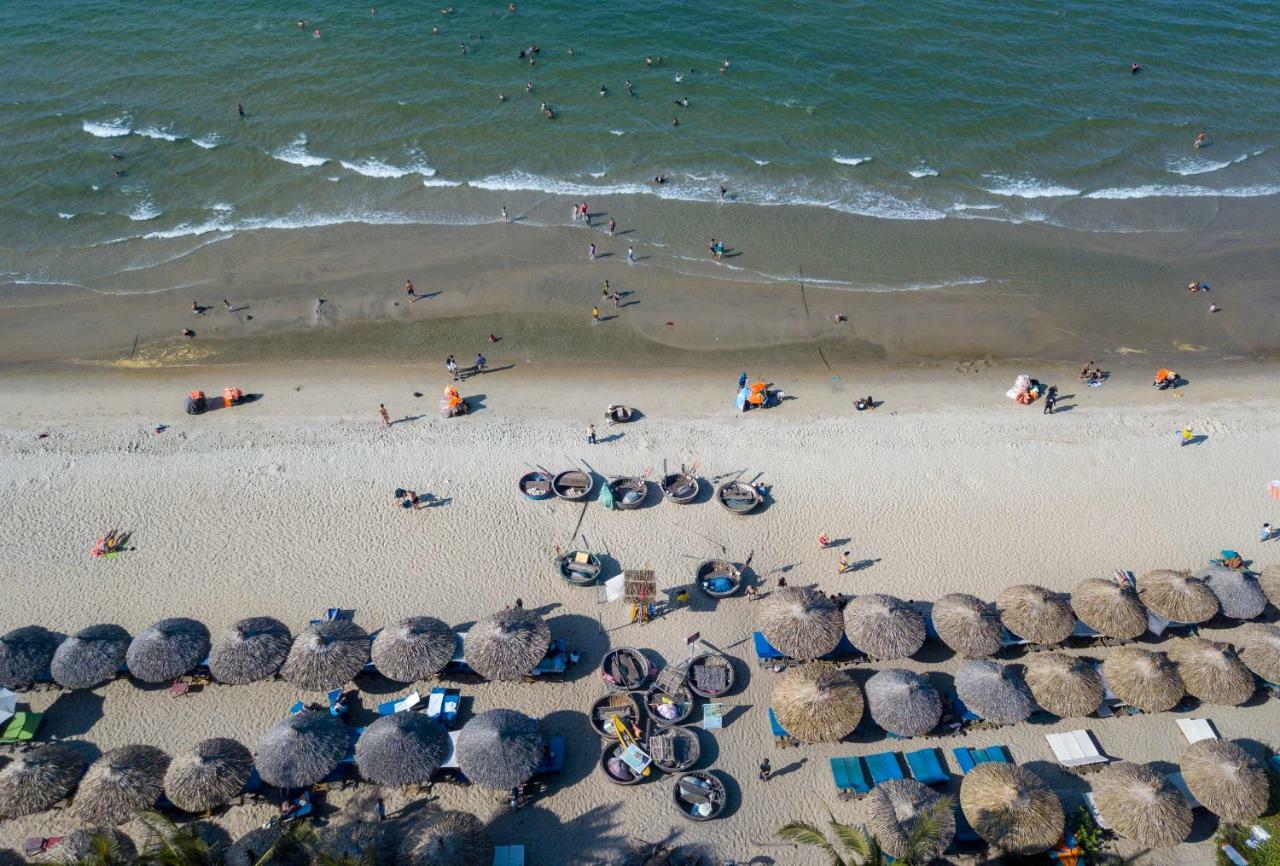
{"x":579,"y":567}
{"x":718,"y":578}
{"x":535,"y":485}
{"x":573,"y":485}
{"x":699,"y":795}
{"x":620,"y":704}
{"x":739,"y":497}
{"x":614,"y":769}
{"x":710,"y":675}
{"x":626,"y":668}
{"x":681,"y":487}
{"x":681,"y":704}
{"x":629,"y":493}
{"x":618,"y":414}
{"x":674,"y":750}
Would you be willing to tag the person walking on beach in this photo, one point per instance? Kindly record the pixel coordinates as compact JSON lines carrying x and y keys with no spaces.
{"x":410,"y":291}
{"x":1050,"y":399}
{"x":591,"y":252}
{"x":631,"y":255}
{"x":1265,"y":533}
{"x":782,"y":583}
{"x":577,"y":214}
{"x":842,"y":564}
{"x":595,"y":315}
{"x":586,"y":215}
{"x":823,"y":541}
{"x":617,"y":300}
{"x":766,"y":770}
{"x":480,"y":362}
{"x":452,"y":366}
{"x":604,"y":290}
{"x":742,"y":380}
{"x":591,"y":434}
{"x":1187,"y":435}
{"x":505,"y":217}
{"x":226,"y":304}
{"x":384,"y":415}
{"x":613,"y":226}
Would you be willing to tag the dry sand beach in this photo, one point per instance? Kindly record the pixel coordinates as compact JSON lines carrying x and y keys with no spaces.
{"x":283,"y":507}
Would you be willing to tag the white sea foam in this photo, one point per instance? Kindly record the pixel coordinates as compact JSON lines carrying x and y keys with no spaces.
{"x":759,"y":161}
{"x":208,"y":142}
{"x":1028,"y":187}
{"x":66,"y":216}
{"x":617,"y":132}
{"x":962,"y":206}
{"x":923,"y":171}
{"x":157,"y":133}
{"x":296,"y":153}
{"x":1186,"y":166}
{"x":220,"y":206}
{"x":440,"y":182}
{"x":1165,"y":191}
{"x":597,"y":174}
{"x":850,"y":160}
{"x":107,"y":128}
{"x":143,"y":211}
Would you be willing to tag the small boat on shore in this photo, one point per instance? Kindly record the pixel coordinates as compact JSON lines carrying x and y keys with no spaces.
{"x":615,"y":769}
{"x":618,"y":414}
{"x":626,"y":668}
{"x":718,"y":578}
{"x":681,"y":487}
{"x":535,"y":485}
{"x":710,"y":675}
{"x":739,"y":497}
{"x":629,"y":493}
{"x":573,"y":485}
{"x":674,"y":750}
{"x":669,"y":704}
{"x":579,"y":567}
{"x":699,"y":795}
{"x":620,"y":704}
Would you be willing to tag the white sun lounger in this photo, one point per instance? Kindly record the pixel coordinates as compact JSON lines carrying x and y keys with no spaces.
{"x":451,"y":759}
{"x":1075,"y":749}
{"x":1234,"y":856}
{"x":1196,"y":730}
{"x":1092,"y":806}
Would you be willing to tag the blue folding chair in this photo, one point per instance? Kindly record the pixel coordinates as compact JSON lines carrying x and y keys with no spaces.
{"x":849,"y":777}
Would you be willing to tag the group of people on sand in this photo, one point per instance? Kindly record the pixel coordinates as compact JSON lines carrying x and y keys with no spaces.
{"x":1091,"y":373}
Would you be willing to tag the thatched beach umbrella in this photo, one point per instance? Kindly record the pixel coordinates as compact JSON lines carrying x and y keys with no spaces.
{"x":414,"y":649}
{"x":1147,"y":680}
{"x":364,"y":842}
{"x":1064,"y":685}
{"x":447,"y":839}
{"x":249,"y":650}
{"x":1212,"y":673}
{"x":903,"y":702}
{"x":88,"y":844}
{"x":500,"y":749}
{"x":25,"y":654}
{"x":167,"y":650}
{"x":1137,"y":801}
{"x":507,"y":645}
{"x":38,"y":779}
{"x":326,"y":655}
{"x":892,"y":812}
{"x":994,"y":691}
{"x":402,"y":749}
{"x":1238,"y":594}
{"x":1012,"y":808}
{"x":1177,"y":596}
{"x":208,"y":774}
{"x":1109,"y":608}
{"x":800,"y":622}
{"x":884,"y":627}
{"x":1260,"y":650}
{"x":90,"y":657}
{"x":1225,"y":779}
{"x":1269,"y":582}
{"x":817,"y":703}
{"x":1036,"y":614}
{"x":301,"y":750}
{"x":968,"y":625}
{"x":249,"y":849}
{"x":121,"y":783}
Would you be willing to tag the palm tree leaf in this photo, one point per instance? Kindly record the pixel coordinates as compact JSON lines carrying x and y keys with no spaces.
{"x":857,"y":841}
{"x":803,"y":833}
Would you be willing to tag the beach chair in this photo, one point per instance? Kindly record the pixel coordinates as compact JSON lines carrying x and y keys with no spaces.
{"x":556,"y":661}
{"x":850,"y":779}
{"x":925,"y":767}
{"x":508,"y":855}
{"x":353,"y":737}
{"x":964,"y":832}
{"x":302,"y":807}
{"x":297,"y":707}
{"x":1196,"y":730}
{"x":962,"y":713}
{"x":1257,"y":836}
{"x":766,"y":655}
{"x":1234,"y":856}
{"x":996,"y":754}
{"x":964,"y":759}
{"x":1092,"y":805}
{"x":33,"y":846}
{"x":337,"y":706}
{"x":1075,"y":750}
{"x":442,"y":705}
{"x":1009,"y":639}
{"x":884,"y":766}
{"x":22,"y":728}
{"x":553,"y":757}
{"x":781,"y":738}
{"x":405,"y":704}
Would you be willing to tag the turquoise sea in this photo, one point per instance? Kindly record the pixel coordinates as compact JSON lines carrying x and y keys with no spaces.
{"x":1023,"y":110}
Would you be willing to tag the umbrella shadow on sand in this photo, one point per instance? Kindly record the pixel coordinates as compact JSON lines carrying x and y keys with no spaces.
{"x":73,"y":714}
{"x":594,"y":836}
{"x":585,"y":638}
{"x":584,"y":745}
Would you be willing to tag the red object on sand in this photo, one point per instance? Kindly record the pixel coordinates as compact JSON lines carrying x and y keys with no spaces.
{"x":671,"y":324}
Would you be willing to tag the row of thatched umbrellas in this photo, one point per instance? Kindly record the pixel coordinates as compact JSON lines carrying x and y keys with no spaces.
{"x":1012,"y":808}
{"x":804,"y":623}
{"x":327,"y":654}
{"x":497,"y":749}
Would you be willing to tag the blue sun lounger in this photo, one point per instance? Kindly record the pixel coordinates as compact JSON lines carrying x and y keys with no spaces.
{"x":967,"y":759}
{"x":400,"y":705}
{"x":765,"y":653}
{"x":850,"y":779}
{"x":964,"y":832}
{"x":925,"y":767}
{"x":884,"y":767}
{"x":508,"y":855}
{"x":962,"y":712}
{"x":553,"y":758}
{"x":556,"y":661}
{"x":443,"y":704}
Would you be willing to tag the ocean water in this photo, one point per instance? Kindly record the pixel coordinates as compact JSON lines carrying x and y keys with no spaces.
{"x":1023,"y":110}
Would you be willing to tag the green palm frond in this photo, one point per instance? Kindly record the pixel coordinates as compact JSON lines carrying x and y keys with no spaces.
{"x":803,"y":833}
{"x":926,"y":832}
{"x":296,"y":838}
{"x":104,"y":850}
{"x":857,"y":841}
{"x":171,"y":845}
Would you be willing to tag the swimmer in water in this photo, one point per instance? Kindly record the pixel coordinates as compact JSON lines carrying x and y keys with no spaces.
{"x":528,"y":87}
{"x":570,"y":52}
{"x":648,"y":61}
{"x":679,"y":77}
{"x":660,"y":179}
{"x":1202,"y":138}
{"x":302,"y":25}
{"x":603,"y":92}
{"x":1134,"y":69}
{"x":116,"y":156}
{"x":675,"y":121}
{"x":120,"y":173}
{"x":628,"y":86}
{"x":316,"y":33}
{"x":502,"y":97}
{"x":683,"y":102}
{"x":435,"y":31}
{"x":239,"y":109}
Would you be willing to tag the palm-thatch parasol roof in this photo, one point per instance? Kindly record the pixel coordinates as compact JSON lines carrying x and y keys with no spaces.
{"x":1012,"y":808}
{"x":1177,"y":596}
{"x":800,"y":622}
{"x":249,"y":650}
{"x":1036,"y":614}
{"x":507,"y":645}
{"x":1225,"y":779}
{"x":1147,"y":680}
{"x":301,"y":750}
{"x":1238,"y":594}
{"x":994,"y":691}
{"x":1269,"y":581}
{"x":95,"y":845}
{"x":364,"y":842}
{"x":884,"y":627}
{"x":968,"y":625}
{"x":121,"y":783}
{"x":447,"y":839}
{"x":1064,"y":685}
{"x":1212,"y":673}
{"x":167,"y":650}
{"x":1260,"y":650}
{"x":38,"y":779}
{"x":250,"y":848}
{"x":1138,"y":803}
{"x":25,"y":654}
{"x":90,"y":657}
{"x":893,"y":811}
{"x":903,"y":702}
{"x":208,"y":774}
{"x":414,"y":649}
{"x":817,"y":703}
{"x":500,"y":749}
{"x":1110,"y":608}
{"x":402,"y":749}
{"x":326,"y":655}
